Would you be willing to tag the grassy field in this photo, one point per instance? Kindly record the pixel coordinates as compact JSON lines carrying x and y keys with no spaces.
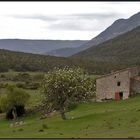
{"x":35,"y":96}
{"x":114,"y":119}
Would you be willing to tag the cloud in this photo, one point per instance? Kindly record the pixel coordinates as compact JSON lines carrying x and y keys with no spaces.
{"x":95,"y":15}
{"x":76,"y":25}
{"x":82,"y":21}
{"x":61,"y":20}
{"x":37,"y":17}
{"x":87,"y":16}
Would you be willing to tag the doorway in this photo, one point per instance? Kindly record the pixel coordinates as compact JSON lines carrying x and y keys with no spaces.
{"x":118,"y":95}
{"x":121,"y":95}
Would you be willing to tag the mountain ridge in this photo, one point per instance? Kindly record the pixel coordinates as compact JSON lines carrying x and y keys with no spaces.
{"x":122,"y":49}
{"x":118,"y":27}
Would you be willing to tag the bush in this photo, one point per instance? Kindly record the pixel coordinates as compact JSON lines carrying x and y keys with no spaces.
{"x":33,"y":86}
{"x":20,"y":85}
{"x":19,"y":109}
{"x":22,"y":77}
{"x":2,"y":76}
{"x":3,"y":85}
{"x":28,"y":85}
{"x":13,"y":102}
{"x":38,"y":77}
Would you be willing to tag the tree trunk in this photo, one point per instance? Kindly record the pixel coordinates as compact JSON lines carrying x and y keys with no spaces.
{"x":14,"y":113}
{"x":62,"y":112}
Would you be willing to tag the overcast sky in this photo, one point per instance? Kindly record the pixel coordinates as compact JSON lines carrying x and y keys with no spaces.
{"x":61,"y":20}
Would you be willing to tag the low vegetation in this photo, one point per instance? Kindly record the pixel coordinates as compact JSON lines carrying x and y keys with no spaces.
{"x":23,"y":62}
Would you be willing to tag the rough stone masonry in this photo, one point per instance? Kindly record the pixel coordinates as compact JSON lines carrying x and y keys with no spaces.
{"x":118,"y":85}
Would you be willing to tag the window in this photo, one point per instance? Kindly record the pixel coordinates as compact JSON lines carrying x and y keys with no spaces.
{"x":118,"y":83}
{"x":114,"y":76}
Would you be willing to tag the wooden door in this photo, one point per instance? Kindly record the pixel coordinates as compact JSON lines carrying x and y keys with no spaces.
{"x":117,"y":96}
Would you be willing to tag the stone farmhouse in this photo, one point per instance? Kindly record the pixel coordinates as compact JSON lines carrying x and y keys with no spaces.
{"x":118,"y":85}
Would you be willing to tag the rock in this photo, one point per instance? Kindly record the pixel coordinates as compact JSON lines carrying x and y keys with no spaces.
{"x":21,"y":123}
{"x":72,"y":117}
{"x":43,"y":117}
{"x":16,"y":123}
{"x":11,"y":125}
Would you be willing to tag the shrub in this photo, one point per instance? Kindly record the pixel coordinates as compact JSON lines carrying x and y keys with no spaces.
{"x":13,"y":102}
{"x":28,"y":85}
{"x":22,"y":77}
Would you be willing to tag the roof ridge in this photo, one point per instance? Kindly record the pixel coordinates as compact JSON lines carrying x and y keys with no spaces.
{"x":125,"y":69}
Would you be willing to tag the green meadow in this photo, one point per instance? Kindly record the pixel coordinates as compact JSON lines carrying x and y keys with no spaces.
{"x":114,"y":119}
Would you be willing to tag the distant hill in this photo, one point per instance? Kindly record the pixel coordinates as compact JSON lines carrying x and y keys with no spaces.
{"x":38,"y":46}
{"x":119,"y":27}
{"x":122,"y":49}
{"x":64,"y":52}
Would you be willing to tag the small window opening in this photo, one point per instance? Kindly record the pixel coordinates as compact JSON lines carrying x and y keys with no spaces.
{"x":114,"y":76}
{"x":118,"y":83}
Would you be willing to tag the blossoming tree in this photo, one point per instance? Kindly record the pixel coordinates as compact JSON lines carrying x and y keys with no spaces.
{"x":62,"y":87}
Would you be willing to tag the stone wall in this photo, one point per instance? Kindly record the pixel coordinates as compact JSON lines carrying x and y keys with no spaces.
{"x":106,"y":86}
{"x":133,"y":72}
{"x":135,"y":86}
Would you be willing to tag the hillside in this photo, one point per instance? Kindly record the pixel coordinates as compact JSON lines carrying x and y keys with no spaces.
{"x":116,"y":119}
{"x":119,"y":27}
{"x":19,"y":61}
{"x":122,"y":49}
{"x":38,"y":46}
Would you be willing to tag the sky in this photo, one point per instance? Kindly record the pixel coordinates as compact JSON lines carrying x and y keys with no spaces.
{"x":61,"y":20}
